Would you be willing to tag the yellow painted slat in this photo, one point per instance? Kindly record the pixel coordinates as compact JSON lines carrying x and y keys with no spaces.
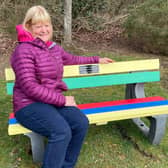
{"x":103,"y":118}
{"x":116,"y":67}
{"x":127,"y":114}
{"x":9,"y":74}
{"x":101,"y":123}
{"x":15,"y":129}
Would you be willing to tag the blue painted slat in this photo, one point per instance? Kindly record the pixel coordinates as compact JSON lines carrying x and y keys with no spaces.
{"x":12,"y":121}
{"x":115,"y":108}
{"x":124,"y":107}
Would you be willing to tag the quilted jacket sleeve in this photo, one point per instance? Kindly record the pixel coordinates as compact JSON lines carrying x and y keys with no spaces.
{"x":70,"y":59}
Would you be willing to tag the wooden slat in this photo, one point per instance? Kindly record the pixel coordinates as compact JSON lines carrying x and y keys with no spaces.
{"x":112,"y":103}
{"x":124,"y":107}
{"x":9,"y":74}
{"x":116,"y":67}
{"x":9,"y":88}
{"x":17,"y":129}
{"x":116,"y":103}
{"x":115,"y":79}
{"x":127,"y":114}
{"x":105,"y":80}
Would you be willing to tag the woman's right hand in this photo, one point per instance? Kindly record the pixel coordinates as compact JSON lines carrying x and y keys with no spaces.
{"x":70,"y":101}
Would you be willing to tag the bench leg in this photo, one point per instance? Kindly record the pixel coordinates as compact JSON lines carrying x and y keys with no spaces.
{"x":135,"y":91}
{"x":141,"y":125}
{"x":37,"y":146}
{"x":157,"y":127}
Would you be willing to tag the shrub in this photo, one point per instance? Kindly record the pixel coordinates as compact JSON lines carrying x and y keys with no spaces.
{"x":93,"y":15}
{"x":12,"y":12}
{"x":89,"y":14}
{"x":146,"y":28}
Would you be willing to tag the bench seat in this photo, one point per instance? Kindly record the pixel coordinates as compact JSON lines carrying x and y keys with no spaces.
{"x":101,"y":113}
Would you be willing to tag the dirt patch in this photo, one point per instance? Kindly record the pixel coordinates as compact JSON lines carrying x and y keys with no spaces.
{"x":109,"y":39}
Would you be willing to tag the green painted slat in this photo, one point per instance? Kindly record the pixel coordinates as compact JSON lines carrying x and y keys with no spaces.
{"x":9,"y":88}
{"x":106,"y":80}
{"x":115,"y":79}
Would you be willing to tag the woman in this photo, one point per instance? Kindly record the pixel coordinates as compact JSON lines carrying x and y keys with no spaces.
{"x":39,"y":103}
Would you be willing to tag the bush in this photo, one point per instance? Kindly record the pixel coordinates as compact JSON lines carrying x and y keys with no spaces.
{"x":89,"y":14}
{"x":146,"y":28}
{"x":12,"y":12}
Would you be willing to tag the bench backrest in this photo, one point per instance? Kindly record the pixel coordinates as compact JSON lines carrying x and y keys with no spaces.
{"x":94,"y":75}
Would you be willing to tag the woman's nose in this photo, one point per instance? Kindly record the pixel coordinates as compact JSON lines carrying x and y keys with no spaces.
{"x":43,"y":29}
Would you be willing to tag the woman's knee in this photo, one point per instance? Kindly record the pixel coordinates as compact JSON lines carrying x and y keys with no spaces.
{"x":76,"y":118}
{"x":62,"y":134}
{"x":83,"y":122}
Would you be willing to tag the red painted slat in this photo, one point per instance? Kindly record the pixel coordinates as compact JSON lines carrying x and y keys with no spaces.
{"x":119,"y":102}
{"x":113,"y":103}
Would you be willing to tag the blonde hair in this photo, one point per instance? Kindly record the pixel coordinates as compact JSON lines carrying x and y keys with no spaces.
{"x":34,"y":15}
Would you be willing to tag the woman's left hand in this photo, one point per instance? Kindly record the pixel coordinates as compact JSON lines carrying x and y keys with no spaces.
{"x":105,"y":60}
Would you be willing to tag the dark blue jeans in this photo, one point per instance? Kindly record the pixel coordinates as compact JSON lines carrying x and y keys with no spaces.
{"x":65,"y":128}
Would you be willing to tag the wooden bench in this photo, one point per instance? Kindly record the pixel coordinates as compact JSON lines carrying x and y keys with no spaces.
{"x":135,"y":105}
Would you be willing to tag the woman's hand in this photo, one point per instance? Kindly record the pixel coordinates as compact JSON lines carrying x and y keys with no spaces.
{"x":70,"y":101}
{"x":105,"y":60}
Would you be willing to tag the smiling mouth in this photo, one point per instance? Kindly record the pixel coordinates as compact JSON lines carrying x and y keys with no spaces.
{"x":43,"y":34}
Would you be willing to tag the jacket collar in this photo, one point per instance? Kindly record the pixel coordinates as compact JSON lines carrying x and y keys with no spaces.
{"x":39,"y":43}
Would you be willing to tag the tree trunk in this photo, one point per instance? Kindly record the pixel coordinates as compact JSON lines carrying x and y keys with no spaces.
{"x":67,"y":21}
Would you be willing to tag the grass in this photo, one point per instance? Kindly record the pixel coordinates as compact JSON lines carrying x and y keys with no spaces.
{"x":118,"y":144}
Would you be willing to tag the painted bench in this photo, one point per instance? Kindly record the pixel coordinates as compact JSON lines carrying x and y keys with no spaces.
{"x":135,"y":105}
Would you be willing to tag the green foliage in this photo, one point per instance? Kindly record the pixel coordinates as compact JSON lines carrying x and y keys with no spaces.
{"x":91,"y":14}
{"x":88,"y":14}
{"x":12,"y":12}
{"x":87,"y":7}
{"x":147,"y":25}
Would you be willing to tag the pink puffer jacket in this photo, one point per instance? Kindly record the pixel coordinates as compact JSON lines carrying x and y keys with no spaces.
{"x":38,"y":68}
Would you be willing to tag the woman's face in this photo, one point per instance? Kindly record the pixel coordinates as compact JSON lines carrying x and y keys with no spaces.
{"x":42,"y":30}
